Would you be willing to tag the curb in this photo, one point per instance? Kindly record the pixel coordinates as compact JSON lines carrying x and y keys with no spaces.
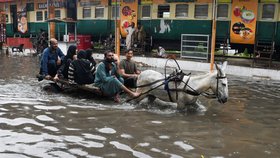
{"x":258,"y":73}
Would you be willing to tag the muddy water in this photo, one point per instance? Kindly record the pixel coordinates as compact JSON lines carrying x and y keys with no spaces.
{"x":39,"y":123}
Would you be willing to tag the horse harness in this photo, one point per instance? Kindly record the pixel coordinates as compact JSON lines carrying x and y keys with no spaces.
{"x":177,"y":77}
{"x":219,"y":77}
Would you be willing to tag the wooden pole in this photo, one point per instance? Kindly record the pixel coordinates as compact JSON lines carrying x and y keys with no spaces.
{"x":51,"y":16}
{"x":213,"y":39}
{"x":118,"y":42}
{"x":117,"y":32}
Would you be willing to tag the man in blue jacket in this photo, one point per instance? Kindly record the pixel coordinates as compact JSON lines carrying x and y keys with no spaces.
{"x":51,"y":60}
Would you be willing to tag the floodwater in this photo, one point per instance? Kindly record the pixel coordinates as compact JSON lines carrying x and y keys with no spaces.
{"x":39,"y":123}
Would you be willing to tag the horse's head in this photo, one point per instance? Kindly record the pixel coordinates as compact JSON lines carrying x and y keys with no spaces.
{"x":221,"y":85}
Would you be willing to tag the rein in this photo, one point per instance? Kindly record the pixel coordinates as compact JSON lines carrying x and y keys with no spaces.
{"x":218,"y":77}
{"x":177,"y":77}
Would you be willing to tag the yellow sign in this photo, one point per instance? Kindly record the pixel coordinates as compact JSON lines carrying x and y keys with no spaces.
{"x":224,"y":1}
{"x":146,"y":1}
{"x":269,"y":1}
{"x":243,"y":21}
{"x":129,"y":9}
{"x":159,"y":2}
{"x":115,"y":2}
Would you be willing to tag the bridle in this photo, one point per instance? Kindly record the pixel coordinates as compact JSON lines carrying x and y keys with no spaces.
{"x":217,"y":86}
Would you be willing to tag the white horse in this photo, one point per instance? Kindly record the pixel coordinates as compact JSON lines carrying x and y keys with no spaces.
{"x":184,"y":93}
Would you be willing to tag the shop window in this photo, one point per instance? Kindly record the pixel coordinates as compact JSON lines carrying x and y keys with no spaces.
{"x":86,"y":12}
{"x":30,"y":6}
{"x":146,"y":11}
{"x":46,"y":15}
{"x":181,"y":10}
{"x":57,"y":14}
{"x":39,"y":16}
{"x":99,"y":12}
{"x":222,"y":11}
{"x":114,"y":10}
{"x":268,"y":11}
{"x":7,"y":18}
{"x":201,"y":11}
{"x":163,"y":11}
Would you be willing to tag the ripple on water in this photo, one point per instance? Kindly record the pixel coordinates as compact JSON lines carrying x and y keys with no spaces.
{"x":61,"y":154}
{"x":21,"y":101}
{"x":49,"y":107}
{"x":156,"y":122}
{"x":19,"y":121}
{"x":165,"y":153}
{"x":143,"y":144}
{"x":128,"y":136}
{"x":107,"y":130}
{"x":184,"y":146}
{"x":51,"y":128}
{"x":164,"y":137}
{"x":92,"y":136}
{"x":72,"y":129}
{"x":127,"y":148}
{"x":44,"y":118}
{"x":9,"y":155}
{"x":78,"y":152}
{"x":80,"y":141}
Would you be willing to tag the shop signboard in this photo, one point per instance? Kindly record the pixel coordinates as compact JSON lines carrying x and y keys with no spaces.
{"x":86,"y":3}
{"x":56,"y":4}
{"x":243,"y":21}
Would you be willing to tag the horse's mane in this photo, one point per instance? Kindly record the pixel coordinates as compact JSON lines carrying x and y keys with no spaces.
{"x":202,"y":76}
{"x":201,"y":80}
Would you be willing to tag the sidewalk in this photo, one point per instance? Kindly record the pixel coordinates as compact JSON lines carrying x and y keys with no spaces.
{"x":237,"y":67}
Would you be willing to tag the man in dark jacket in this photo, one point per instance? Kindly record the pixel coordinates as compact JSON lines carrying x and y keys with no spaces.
{"x":81,"y":71}
{"x":51,"y":60}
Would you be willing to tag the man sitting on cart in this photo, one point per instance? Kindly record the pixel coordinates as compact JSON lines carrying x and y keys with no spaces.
{"x":108,"y":79}
{"x":50,"y":61}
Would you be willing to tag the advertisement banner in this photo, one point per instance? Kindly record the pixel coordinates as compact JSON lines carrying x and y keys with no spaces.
{"x":129,"y":9}
{"x":243,"y":21}
{"x":3,"y":38}
{"x":22,"y":22}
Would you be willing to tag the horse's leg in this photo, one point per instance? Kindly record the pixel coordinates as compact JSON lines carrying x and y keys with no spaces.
{"x":197,"y":107}
{"x":164,"y":104}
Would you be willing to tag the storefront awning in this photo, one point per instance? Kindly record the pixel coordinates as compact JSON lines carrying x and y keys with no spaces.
{"x":61,"y":20}
{"x":4,"y":1}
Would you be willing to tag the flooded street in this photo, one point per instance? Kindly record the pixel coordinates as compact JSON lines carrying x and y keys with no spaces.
{"x":39,"y":123}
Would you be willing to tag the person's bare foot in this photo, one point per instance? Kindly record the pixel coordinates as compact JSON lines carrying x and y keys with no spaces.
{"x":135,"y":94}
{"x":117,"y":98}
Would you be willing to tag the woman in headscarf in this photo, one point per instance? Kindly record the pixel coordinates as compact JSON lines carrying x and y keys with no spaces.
{"x":81,"y":70}
{"x":71,"y":55}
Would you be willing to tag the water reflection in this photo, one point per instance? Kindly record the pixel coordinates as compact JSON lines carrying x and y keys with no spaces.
{"x":38,"y":123}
